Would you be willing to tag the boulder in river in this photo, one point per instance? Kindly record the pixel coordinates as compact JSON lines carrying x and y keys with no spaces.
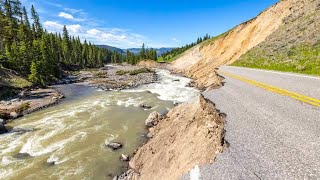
{"x":3,"y":129}
{"x":153,"y":119}
{"x":124,"y":157}
{"x":22,"y":156}
{"x":114,"y":145}
{"x":21,"y":130}
{"x":52,"y":160}
{"x":145,"y":106}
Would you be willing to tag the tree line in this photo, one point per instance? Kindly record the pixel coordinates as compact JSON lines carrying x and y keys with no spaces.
{"x":26,"y":47}
{"x":174,"y":52}
{"x":145,"y":53}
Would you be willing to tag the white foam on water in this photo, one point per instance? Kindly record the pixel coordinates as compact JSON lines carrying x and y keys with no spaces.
{"x":4,"y":173}
{"x":169,"y":87}
{"x":34,"y":145}
{"x":129,"y":102}
{"x":6,"y":160}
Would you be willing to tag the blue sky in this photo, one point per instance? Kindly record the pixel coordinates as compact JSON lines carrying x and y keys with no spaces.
{"x":158,"y":23}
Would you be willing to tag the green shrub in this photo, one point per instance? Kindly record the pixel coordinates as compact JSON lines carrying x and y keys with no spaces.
{"x":23,"y":107}
{"x":122,"y":72}
{"x":134,"y":72}
{"x":139,"y":71}
{"x":101,"y":74}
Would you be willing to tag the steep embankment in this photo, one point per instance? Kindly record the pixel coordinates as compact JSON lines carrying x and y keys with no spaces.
{"x":200,"y":61}
{"x":294,"y":46}
{"x":191,"y":134}
{"x":11,"y":83}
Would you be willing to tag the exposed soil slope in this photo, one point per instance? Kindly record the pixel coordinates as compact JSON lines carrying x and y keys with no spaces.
{"x":191,"y":134}
{"x":294,"y":46}
{"x":200,"y":61}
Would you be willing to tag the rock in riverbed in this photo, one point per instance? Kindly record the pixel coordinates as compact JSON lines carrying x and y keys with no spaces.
{"x":153,"y":119}
{"x":22,"y":156}
{"x":3,"y":129}
{"x":52,"y":160}
{"x":114,"y":145}
{"x":145,"y":106}
{"x":124,"y":157}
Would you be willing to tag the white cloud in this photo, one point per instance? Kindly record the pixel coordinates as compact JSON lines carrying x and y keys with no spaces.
{"x":51,"y":25}
{"x":65,"y":15}
{"x":70,"y":17}
{"x":75,"y":11}
{"x":111,"y":36}
{"x":176,"y":40}
{"x":93,"y":32}
{"x":75,"y":28}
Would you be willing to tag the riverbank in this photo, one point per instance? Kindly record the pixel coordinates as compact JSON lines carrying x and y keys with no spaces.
{"x":118,"y":77}
{"x":189,"y":135}
{"x":29,"y":101}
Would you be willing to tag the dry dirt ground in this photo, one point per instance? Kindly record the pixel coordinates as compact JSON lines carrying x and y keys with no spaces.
{"x":190,"y":134}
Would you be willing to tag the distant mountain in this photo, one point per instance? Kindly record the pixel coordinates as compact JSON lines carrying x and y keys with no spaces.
{"x":160,"y":51}
{"x":112,"y":48}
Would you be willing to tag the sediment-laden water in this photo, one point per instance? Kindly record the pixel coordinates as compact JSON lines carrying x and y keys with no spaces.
{"x":73,"y":134}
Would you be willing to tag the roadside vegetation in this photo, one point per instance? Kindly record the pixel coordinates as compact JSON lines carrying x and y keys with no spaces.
{"x":293,"y":47}
{"x":300,"y":59}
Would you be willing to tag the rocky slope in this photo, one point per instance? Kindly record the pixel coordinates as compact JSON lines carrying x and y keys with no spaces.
{"x":200,"y":61}
{"x":191,"y":134}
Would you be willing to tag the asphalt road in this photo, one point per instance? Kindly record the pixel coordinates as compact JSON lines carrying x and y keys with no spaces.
{"x":271,"y":136}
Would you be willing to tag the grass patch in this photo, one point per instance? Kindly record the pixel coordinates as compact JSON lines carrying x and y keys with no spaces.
{"x":19,"y":82}
{"x":101,"y":74}
{"x":134,"y":72}
{"x":122,"y":72}
{"x":303,"y":59}
{"x":23,"y":107}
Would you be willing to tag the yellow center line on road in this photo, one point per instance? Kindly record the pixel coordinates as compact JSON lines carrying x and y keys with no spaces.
{"x":300,"y":97}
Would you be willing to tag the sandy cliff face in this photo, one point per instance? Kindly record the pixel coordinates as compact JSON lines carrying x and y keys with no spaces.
{"x":200,"y":61}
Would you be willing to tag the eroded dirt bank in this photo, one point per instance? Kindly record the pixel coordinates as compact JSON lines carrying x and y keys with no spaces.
{"x":190,"y":134}
{"x":199,"y":62}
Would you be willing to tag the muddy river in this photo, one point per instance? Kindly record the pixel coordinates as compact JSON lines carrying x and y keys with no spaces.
{"x":67,"y":141}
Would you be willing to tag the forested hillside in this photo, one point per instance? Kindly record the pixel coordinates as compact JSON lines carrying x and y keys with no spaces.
{"x":27,"y":48}
{"x":175,"y":53}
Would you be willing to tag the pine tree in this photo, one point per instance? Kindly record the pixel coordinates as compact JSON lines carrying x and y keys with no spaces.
{"x":37,"y":28}
{"x":143,"y":52}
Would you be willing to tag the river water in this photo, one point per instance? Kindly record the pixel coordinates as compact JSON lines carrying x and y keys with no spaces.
{"x":73,"y":134}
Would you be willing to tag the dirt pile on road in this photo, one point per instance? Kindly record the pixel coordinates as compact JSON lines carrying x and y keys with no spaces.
{"x":199,"y":62}
{"x":191,"y":134}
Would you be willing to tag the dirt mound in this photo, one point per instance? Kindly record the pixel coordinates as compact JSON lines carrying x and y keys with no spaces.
{"x":191,"y":134}
{"x":200,"y":61}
